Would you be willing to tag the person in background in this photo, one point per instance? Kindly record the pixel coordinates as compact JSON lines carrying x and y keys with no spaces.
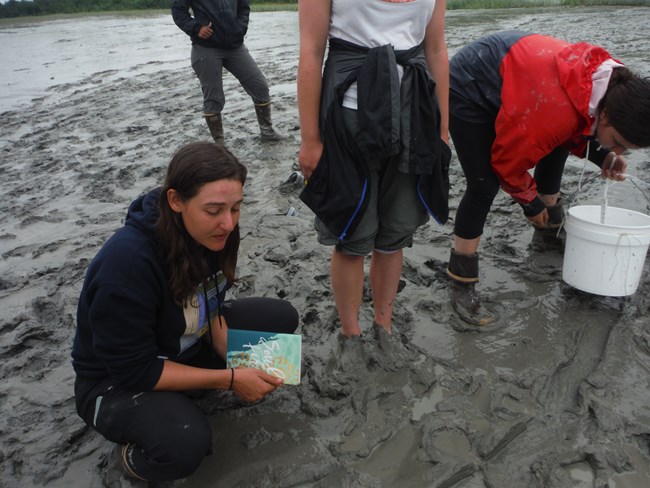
{"x":379,"y":109}
{"x":217,"y":29}
{"x":152,"y":318}
{"x":520,"y":101}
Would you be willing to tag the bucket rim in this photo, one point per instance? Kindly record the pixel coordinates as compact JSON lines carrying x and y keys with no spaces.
{"x":611,"y":226}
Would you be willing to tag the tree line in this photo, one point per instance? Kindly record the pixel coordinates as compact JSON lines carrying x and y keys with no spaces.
{"x":24,"y":8}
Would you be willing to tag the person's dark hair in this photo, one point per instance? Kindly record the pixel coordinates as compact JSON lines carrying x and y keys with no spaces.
{"x":188,"y":263}
{"x":627,"y":105}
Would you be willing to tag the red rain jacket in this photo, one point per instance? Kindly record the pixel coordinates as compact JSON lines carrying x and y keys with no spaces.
{"x":544,"y":104}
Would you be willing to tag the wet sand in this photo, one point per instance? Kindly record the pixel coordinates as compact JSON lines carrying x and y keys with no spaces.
{"x":555,"y":395}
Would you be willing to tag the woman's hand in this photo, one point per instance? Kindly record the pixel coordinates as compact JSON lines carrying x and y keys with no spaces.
{"x":540,"y":220}
{"x":252,"y":385}
{"x":308,"y":157}
{"x":614,"y":167}
{"x":205,"y":32}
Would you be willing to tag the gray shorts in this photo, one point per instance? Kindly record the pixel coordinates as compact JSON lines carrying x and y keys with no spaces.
{"x":394,"y":211}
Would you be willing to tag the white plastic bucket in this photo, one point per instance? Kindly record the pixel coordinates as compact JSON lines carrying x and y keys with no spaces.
{"x":605,"y":258}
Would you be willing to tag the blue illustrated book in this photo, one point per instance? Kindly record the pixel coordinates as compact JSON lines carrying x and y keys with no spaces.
{"x":277,"y":354}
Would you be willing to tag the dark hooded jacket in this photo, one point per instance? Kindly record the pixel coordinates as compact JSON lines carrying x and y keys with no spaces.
{"x":127,"y":321}
{"x":397,"y":120}
{"x":229,"y":20}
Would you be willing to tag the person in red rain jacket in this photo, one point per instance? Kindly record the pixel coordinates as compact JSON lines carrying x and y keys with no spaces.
{"x":520,"y":101}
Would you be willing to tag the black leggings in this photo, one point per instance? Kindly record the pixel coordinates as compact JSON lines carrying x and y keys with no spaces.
{"x":167,"y":434}
{"x":473,"y":143}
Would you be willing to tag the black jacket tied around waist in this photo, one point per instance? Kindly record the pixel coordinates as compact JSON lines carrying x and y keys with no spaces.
{"x":397,"y":120}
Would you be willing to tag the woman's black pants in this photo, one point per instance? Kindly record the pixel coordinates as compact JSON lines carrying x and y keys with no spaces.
{"x":473,"y":143}
{"x":166,"y":434}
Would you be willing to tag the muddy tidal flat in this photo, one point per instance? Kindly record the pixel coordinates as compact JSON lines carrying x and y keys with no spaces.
{"x":556,"y":395}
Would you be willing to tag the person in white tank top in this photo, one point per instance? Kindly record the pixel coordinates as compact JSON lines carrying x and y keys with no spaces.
{"x":403,"y":24}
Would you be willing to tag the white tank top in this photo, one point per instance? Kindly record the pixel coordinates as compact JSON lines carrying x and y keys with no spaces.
{"x":373,"y":23}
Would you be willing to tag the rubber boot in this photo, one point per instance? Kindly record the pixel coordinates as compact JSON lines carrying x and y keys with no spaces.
{"x":268,"y":133}
{"x":463,"y":271}
{"x":555,"y":214}
{"x":118,"y":467}
{"x":216,"y":127}
{"x":551,"y":236}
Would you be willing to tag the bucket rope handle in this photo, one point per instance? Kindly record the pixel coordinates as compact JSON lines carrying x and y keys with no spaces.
{"x":629,"y":238}
{"x":582,"y":185}
{"x":591,"y":179}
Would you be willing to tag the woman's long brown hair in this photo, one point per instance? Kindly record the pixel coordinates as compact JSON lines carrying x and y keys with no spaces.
{"x":189,"y":263}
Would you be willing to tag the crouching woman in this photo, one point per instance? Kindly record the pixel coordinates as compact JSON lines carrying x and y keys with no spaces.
{"x":153,"y":316}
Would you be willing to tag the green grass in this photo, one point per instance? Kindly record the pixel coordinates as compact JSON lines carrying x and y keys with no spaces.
{"x":494,"y":4}
{"x":623,"y":3}
{"x":273,"y":7}
{"x":487,"y":4}
{"x":451,"y":5}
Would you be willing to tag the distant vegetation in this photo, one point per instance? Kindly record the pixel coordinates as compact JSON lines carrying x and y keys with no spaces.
{"x":24,"y":8}
{"x":470,"y":4}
